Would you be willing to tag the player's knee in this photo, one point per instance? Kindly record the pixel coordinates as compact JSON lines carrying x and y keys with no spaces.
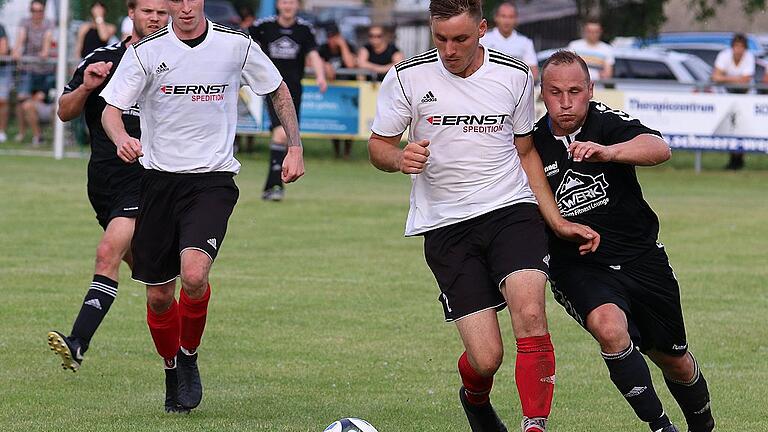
{"x":159,"y":300}
{"x":611,"y":336}
{"x":106,"y":257}
{"x":194,"y":282}
{"x":488,"y":361}
{"x":676,"y":367}
{"x":531,"y":320}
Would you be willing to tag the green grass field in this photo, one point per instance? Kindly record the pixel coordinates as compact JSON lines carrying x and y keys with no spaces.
{"x":322,"y":310}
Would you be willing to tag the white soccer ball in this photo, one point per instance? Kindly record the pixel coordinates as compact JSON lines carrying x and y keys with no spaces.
{"x":350,"y":425}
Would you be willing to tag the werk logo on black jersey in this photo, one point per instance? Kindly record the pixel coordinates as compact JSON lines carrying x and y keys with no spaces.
{"x":579,"y":193}
{"x":284,"y":48}
{"x":429,"y":97}
{"x":162,"y":68}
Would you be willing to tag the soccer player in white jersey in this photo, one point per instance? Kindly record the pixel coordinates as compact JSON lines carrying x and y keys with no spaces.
{"x":469,"y":112}
{"x":505,"y":37}
{"x":187,"y":77}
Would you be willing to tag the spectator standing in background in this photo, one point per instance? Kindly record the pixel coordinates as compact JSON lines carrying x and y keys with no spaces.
{"x":6,"y":80}
{"x":338,"y":53}
{"x":380,"y":53}
{"x":126,"y":28}
{"x":247,"y":18}
{"x":597,"y":54}
{"x":735,"y":65}
{"x":33,"y":40}
{"x":95,"y":33}
{"x":289,"y":41}
{"x":506,"y":39}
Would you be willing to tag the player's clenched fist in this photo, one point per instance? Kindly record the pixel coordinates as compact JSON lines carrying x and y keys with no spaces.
{"x":293,"y":164}
{"x":590,"y":152}
{"x":129,"y":149}
{"x":414,"y":157}
{"x":95,"y":74}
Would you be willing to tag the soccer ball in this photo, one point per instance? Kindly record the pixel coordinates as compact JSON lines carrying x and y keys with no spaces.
{"x":350,"y":425}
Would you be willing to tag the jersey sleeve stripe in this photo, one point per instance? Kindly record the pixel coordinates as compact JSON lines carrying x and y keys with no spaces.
{"x":432,"y":52}
{"x":522,"y":93}
{"x":153,"y":36}
{"x":508,"y":59}
{"x":139,"y":60}
{"x":397,"y":73}
{"x":222,"y":29}
{"x":512,"y":65}
{"x":504,"y":56}
{"x":429,"y":60}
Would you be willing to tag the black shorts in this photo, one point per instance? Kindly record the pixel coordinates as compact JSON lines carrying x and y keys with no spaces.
{"x":274,"y":120}
{"x":178,"y":212}
{"x":645,"y":289}
{"x":471,"y":259}
{"x":113,"y":189}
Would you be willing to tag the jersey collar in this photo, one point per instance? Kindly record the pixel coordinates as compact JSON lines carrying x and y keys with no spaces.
{"x":178,"y":41}
{"x":566,"y":140}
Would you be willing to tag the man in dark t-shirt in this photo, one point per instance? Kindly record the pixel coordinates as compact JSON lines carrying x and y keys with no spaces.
{"x":113,"y":185}
{"x":288,"y":41}
{"x":338,"y":53}
{"x":625,"y":294}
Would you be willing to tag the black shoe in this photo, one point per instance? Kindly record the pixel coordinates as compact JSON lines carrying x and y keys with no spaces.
{"x":190,"y":391}
{"x":69,"y":350}
{"x":482,"y":418}
{"x":171,"y":389}
{"x":670,"y":428}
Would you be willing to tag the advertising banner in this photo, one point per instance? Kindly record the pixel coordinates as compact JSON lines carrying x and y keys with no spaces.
{"x":703,"y":121}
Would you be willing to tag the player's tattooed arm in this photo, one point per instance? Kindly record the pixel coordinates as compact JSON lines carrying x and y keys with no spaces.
{"x":286,"y":112}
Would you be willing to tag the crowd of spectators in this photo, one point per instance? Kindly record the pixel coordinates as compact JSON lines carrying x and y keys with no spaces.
{"x":27,"y":60}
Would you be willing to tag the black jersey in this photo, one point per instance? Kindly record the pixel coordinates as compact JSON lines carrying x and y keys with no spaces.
{"x":383,"y":58}
{"x":287,"y":47}
{"x":102,"y":148}
{"x":605,"y":196}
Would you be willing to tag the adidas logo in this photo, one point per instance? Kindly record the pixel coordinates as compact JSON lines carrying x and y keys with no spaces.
{"x":429,"y":97}
{"x":94,"y":303}
{"x":162,"y":68}
{"x":636,"y":391}
{"x":212,"y":242}
{"x":548,"y":379}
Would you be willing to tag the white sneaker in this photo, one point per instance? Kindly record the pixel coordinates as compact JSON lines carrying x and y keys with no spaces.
{"x":535,"y":424}
{"x":3,"y":137}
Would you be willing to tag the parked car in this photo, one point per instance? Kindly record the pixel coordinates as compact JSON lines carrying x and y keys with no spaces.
{"x":723,"y":39}
{"x":222,"y":12}
{"x":657,"y":65}
{"x":347,"y":18}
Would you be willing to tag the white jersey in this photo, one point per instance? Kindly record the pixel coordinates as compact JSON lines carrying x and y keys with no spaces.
{"x":745,"y":67}
{"x":516,"y":45}
{"x":188,"y":96}
{"x":597,"y":56}
{"x":471,"y":123}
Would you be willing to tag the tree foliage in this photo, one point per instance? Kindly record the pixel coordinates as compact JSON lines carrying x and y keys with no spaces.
{"x":637,"y":17}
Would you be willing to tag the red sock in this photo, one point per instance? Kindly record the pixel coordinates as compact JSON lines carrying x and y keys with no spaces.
{"x":164,"y":328}
{"x":535,"y":375}
{"x":478,"y":387}
{"x":193,"y":313}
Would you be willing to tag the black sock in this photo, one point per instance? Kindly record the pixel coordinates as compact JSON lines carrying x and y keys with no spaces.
{"x":631,"y":376}
{"x":693,"y":398}
{"x":95,"y":306}
{"x":276,"y":156}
